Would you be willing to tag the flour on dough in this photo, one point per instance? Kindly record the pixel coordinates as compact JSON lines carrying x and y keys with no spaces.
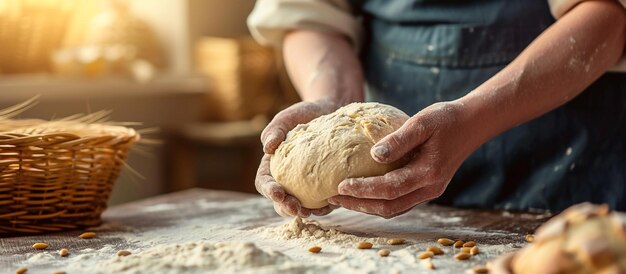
{"x":315,"y":157}
{"x":585,"y":238}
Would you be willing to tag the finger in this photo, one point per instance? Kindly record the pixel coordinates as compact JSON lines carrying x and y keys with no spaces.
{"x":286,"y":120}
{"x":262,"y":173}
{"x":284,"y":204}
{"x":275,"y":136}
{"x":324,"y":210}
{"x":289,"y":204}
{"x":281,"y":211}
{"x":265,"y":183}
{"x":387,"y":208}
{"x":392,"y":185}
{"x":295,"y":207}
{"x":291,"y":207}
{"x":402,"y":141}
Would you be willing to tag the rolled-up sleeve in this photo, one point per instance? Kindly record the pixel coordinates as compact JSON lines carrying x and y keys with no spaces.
{"x":561,"y":7}
{"x":272,"y":19}
{"x":558,"y":8}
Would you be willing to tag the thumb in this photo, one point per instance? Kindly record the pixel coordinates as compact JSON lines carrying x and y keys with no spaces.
{"x":300,"y":113}
{"x":400,"y":142}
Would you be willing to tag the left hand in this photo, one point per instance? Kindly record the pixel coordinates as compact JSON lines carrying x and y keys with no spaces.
{"x":271,"y":137}
{"x":438,"y":139}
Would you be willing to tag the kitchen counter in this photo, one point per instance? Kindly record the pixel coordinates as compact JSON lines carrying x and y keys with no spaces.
{"x":217,"y":216}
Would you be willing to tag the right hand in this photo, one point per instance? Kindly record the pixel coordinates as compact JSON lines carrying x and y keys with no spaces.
{"x":271,"y":137}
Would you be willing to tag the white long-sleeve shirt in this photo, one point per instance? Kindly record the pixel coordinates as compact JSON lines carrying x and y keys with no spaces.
{"x":272,"y":19}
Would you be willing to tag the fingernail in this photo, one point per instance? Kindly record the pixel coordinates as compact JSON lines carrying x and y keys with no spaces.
{"x":380,"y":151}
{"x":343,"y":187}
{"x":270,"y":137}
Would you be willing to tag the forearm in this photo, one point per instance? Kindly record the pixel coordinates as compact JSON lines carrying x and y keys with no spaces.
{"x":323,"y":66}
{"x":556,"y":67}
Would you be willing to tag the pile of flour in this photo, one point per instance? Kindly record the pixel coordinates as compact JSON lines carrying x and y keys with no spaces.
{"x":311,"y":232}
{"x":197,"y":257}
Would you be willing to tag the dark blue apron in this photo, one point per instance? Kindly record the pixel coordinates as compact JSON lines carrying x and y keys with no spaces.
{"x":419,"y":52}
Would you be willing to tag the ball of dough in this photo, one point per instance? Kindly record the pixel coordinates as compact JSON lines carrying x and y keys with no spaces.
{"x":315,"y":157}
{"x":585,"y":238}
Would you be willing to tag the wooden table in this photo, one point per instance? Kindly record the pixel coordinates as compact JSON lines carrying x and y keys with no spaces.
{"x":199,"y":214}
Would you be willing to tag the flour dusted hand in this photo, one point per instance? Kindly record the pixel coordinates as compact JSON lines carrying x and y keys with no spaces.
{"x":436,"y":140}
{"x":284,"y":204}
{"x":317,"y":156}
{"x":272,"y":136}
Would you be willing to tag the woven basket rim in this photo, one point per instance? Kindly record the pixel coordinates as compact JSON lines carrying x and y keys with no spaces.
{"x":64,"y":131}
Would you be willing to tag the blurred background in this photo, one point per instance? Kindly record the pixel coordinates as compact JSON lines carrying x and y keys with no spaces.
{"x":186,"y":67}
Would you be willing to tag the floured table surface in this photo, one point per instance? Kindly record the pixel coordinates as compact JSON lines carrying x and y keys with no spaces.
{"x":179,"y":221}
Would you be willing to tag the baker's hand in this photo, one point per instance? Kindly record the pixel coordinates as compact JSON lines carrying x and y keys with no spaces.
{"x":271,"y":137}
{"x":299,"y":113}
{"x":437,"y":140}
{"x":284,"y":204}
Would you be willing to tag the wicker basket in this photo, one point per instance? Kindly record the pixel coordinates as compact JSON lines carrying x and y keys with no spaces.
{"x":57,"y":175}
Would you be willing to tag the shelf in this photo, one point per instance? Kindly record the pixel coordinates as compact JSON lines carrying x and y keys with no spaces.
{"x":26,"y":86}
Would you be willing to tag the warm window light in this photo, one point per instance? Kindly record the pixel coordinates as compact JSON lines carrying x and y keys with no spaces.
{"x":35,"y":33}
{"x":30,"y":30}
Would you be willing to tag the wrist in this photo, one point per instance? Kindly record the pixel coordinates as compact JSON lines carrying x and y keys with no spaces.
{"x":327,"y":88}
{"x":488,"y":118}
{"x":328,"y":97}
{"x":474,"y":121}
{"x":323,"y":65}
